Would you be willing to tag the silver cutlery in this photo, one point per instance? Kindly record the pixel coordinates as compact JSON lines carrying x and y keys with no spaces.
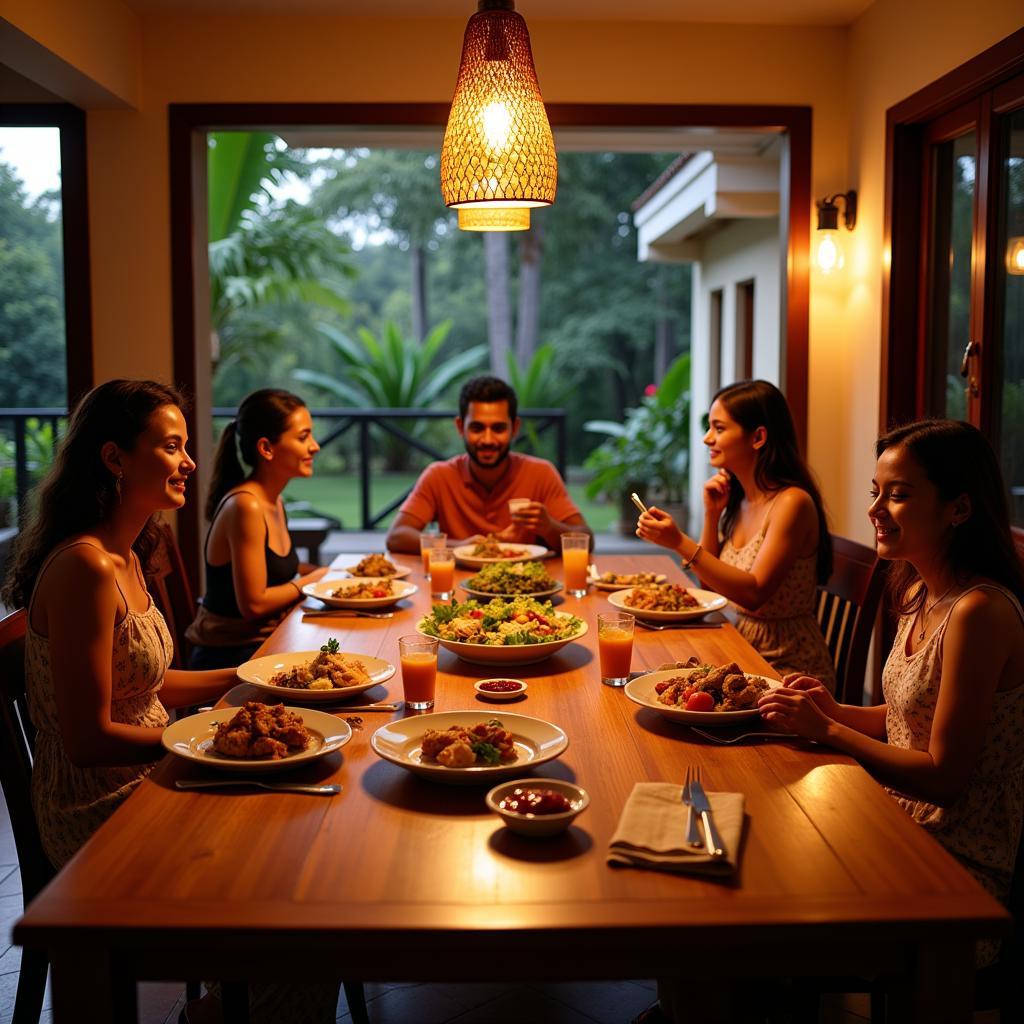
{"x":692,"y":835}
{"x":279,"y":787}
{"x":340,"y":708}
{"x":712,"y":840}
{"x":679,"y":625}
{"x":350,"y":614}
{"x":725,"y":740}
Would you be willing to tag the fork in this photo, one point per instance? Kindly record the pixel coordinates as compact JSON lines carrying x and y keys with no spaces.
{"x":679,"y":625}
{"x":726,"y":740}
{"x":350,"y":614}
{"x":331,"y":789}
{"x":692,"y":836}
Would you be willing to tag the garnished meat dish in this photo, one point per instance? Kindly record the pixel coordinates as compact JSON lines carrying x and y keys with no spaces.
{"x":491,"y":547}
{"x":375,"y":565}
{"x":662,"y":597}
{"x":712,"y":688}
{"x":463,"y":746}
{"x":261,"y":730}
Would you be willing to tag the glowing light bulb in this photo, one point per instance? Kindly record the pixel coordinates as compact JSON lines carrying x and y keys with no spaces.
{"x":497,"y":122}
{"x":1015,"y":255}
{"x":830,"y":253}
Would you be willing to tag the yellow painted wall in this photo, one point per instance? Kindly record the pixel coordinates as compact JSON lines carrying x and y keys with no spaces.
{"x":848,"y":76}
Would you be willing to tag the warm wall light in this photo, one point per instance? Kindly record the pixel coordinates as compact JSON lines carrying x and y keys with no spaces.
{"x":475,"y":218}
{"x":828,"y":249}
{"x":498,"y":151}
{"x":1015,"y":255}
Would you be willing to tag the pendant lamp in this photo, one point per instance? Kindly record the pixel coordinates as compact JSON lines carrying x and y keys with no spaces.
{"x":476,"y":218}
{"x":498,"y":151}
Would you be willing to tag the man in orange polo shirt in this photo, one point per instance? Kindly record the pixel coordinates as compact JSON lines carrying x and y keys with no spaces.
{"x":469,"y":494}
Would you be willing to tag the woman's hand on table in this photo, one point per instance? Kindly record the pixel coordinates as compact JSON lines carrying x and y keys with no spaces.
{"x":659,"y":528}
{"x":801,"y":705}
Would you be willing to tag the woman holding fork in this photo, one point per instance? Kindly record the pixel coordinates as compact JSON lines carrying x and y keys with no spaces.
{"x":947,"y":742}
{"x":765,"y":544}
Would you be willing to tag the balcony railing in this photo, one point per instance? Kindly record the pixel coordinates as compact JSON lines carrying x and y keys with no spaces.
{"x":19,"y":465}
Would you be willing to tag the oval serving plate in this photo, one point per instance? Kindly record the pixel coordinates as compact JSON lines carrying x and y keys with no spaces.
{"x":192,"y":739}
{"x":400,"y":572}
{"x":708,"y":600}
{"x":524,"y":553}
{"x":324,"y":590}
{"x":641,"y":691}
{"x":536,"y":742}
{"x":486,"y":596}
{"x":598,"y":584}
{"x":517,"y":654}
{"x":259,"y":671}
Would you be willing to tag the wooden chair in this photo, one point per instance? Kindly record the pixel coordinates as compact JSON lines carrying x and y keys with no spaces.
{"x":168,"y":583}
{"x":17,"y":741}
{"x":847,"y":607}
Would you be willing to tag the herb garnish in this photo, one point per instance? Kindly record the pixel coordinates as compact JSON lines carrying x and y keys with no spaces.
{"x":331,"y":647}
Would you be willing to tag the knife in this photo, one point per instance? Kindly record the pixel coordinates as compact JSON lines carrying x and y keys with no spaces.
{"x":712,"y":840}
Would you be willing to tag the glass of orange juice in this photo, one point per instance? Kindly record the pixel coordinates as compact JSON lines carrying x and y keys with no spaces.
{"x":418,"y":655}
{"x":615,"y":645}
{"x":441,"y":561}
{"x":428,"y":540}
{"x":575,"y":557}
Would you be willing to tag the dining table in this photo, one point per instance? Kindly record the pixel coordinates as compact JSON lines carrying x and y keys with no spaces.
{"x":401,"y":878}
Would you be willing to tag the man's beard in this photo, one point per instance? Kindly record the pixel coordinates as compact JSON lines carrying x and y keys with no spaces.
{"x":502,"y":456}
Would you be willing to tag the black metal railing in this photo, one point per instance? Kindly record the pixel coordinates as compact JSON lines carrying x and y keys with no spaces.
{"x":15,"y":454}
{"x":19,"y":465}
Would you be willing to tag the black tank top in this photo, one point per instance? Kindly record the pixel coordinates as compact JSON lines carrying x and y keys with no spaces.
{"x":220,"y":586}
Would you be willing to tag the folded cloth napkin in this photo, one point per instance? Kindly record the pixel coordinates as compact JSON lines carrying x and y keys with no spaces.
{"x":652,"y":832}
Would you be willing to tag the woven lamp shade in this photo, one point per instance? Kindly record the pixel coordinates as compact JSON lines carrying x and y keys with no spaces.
{"x":498,"y":150}
{"x":476,"y":218}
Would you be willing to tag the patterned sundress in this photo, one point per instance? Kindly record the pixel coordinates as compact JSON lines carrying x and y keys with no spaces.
{"x":982,"y":827}
{"x":784,"y":630}
{"x":72,"y":802}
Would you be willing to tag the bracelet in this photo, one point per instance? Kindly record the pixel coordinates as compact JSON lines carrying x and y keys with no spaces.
{"x":298,"y":589}
{"x":693,"y":558}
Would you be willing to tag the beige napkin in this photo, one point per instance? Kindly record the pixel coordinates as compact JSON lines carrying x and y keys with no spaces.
{"x":652,"y":831}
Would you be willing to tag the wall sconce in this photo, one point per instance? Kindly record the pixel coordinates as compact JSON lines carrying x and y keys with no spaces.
{"x":828,"y":249}
{"x":476,"y":219}
{"x":1015,"y":255}
{"x":498,"y":151}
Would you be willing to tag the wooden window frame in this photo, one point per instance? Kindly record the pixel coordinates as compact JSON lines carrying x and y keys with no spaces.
{"x":189,"y":123}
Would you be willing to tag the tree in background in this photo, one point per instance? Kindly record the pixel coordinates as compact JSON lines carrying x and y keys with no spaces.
{"x":32,"y":336}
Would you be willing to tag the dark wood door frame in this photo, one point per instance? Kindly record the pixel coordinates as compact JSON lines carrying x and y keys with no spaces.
{"x":906,"y":148}
{"x":75,"y":231}
{"x":188,"y":124}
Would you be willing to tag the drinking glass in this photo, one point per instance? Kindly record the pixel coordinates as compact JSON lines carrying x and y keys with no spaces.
{"x":515,"y":504}
{"x":615,"y":646}
{"x":441,"y":561}
{"x":575,"y":557}
{"x":418,"y":655}
{"x":428,"y":540}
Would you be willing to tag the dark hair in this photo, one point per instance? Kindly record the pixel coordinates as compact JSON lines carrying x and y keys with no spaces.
{"x":79,"y":491}
{"x":487,"y":389}
{"x":756,"y":403}
{"x":264,"y":413}
{"x":958,"y":459}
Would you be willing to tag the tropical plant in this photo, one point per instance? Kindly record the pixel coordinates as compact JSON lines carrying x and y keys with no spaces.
{"x":650,"y":450}
{"x":542,"y":384}
{"x":392,"y":372}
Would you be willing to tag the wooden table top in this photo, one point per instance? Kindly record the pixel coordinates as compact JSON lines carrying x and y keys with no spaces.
{"x":397,"y":863}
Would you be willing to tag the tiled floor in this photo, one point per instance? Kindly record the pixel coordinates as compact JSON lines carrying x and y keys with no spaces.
{"x":565,"y":1003}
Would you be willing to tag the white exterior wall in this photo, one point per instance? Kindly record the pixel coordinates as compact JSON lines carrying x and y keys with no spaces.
{"x":744,"y":250}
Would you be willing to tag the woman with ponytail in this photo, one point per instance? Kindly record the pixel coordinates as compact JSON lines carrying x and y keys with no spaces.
{"x":251,"y":564}
{"x":97,"y":648}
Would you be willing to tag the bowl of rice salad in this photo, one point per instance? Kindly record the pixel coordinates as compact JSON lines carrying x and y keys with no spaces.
{"x":503,"y":631}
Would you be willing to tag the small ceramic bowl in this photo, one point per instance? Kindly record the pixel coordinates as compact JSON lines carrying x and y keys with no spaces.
{"x":538,"y":825}
{"x":481,"y":687}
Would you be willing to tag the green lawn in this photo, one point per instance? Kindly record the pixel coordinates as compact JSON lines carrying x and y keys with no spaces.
{"x":339,"y":496}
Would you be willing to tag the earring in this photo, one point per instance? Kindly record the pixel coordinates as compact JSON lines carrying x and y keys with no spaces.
{"x":117,"y":486}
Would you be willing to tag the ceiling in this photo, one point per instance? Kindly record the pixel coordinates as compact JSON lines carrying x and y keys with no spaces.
{"x":749,"y":12}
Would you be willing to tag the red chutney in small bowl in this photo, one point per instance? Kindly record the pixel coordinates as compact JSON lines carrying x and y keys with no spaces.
{"x":500,"y":689}
{"x":527,"y":800}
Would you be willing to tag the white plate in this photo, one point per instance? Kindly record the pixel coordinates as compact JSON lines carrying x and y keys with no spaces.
{"x":530,"y":553}
{"x":258,"y":671}
{"x":323,"y":590}
{"x":483,"y":595}
{"x":709,"y":602}
{"x":536,"y":741}
{"x":518,"y":654}
{"x":400,"y":571}
{"x":599,"y":585}
{"x":192,"y":739}
{"x":641,"y":691}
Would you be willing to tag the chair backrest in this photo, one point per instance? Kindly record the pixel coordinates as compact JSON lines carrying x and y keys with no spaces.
{"x":17,"y":739}
{"x":168,"y":583}
{"x":847,"y":608}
